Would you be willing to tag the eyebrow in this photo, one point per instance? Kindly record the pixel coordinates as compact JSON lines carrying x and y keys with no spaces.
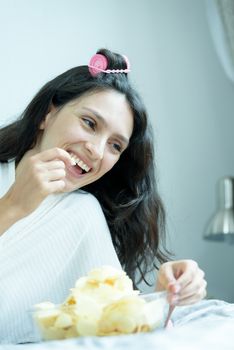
{"x":104,"y":122}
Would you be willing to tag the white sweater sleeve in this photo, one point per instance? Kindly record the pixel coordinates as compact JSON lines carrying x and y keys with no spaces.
{"x":96,"y":248}
{"x":91,"y":236}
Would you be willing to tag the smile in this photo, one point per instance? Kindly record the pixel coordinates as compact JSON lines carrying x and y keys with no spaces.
{"x":79,"y":162}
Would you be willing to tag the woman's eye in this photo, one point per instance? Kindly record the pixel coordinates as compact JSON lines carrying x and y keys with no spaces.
{"x":117,"y":147}
{"x":90,"y":123}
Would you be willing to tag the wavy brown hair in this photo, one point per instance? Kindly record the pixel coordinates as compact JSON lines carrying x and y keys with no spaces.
{"x":128,"y":192}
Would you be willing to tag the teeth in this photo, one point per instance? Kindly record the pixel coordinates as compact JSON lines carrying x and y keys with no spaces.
{"x":76,"y":160}
{"x":73,"y":161}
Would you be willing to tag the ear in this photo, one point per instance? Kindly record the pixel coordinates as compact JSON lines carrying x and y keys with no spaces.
{"x":47,"y":118}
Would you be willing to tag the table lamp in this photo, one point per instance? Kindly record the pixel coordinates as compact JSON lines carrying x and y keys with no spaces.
{"x":221,"y":225}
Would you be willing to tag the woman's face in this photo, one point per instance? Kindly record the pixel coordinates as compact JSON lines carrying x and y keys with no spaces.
{"x":94,"y":129}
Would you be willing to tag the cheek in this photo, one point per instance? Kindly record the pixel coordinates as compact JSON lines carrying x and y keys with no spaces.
{"x":108,"y":162}
{"x":77,"y":134}
{"x":71,"y":135}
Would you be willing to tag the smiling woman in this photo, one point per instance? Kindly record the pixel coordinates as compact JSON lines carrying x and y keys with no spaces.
{"x":78,"y":191}
{"x":94,"y":129}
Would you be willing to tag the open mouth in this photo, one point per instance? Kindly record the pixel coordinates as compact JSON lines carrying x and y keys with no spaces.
{"x":78,"y":165}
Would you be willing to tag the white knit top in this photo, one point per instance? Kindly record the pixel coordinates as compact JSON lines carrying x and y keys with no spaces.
{"x":43,"y":254}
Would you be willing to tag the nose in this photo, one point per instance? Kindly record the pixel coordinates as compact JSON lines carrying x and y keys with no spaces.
{"x":95,"y":150}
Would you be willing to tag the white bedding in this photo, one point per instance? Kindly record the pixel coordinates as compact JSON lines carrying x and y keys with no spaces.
{"x":205,"y":325}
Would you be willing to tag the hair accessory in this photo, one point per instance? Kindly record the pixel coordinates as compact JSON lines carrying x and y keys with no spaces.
{"x":127,"y":62}
{"x":99,"y":63}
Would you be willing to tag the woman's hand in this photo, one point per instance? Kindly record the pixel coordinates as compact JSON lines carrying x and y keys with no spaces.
{"x":183,"y":280}
{"x":37,"y":176}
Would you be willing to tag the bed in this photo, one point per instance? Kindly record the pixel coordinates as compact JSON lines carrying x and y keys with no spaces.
{"x":208,"y":324}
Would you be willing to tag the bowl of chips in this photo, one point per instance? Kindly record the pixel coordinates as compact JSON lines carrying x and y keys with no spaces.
{"x":103,"y":303}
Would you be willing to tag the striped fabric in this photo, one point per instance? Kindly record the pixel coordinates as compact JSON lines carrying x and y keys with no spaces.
{"x":43,"y":254}
{"x":7,"y":176}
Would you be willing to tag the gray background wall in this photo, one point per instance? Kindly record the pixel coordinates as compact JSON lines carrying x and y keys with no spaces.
{"x":175,"y":68}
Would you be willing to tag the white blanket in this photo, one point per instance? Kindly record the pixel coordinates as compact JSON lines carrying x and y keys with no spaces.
{"x":205,"y":325}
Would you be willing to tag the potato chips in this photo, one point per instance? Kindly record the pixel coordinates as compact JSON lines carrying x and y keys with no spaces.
{"x":102,"y":303}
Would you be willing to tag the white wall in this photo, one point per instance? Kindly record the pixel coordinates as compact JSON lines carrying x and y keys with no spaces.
{"x":193,"y":104}
{"x":175,"y":67}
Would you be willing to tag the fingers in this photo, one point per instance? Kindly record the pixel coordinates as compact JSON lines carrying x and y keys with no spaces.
{"x":52,"y":176}
{"x":193,"y":292}
{"x":55,"y":174}
{"x":53,"y":154}
{"x":166,"y":275}
{"x":174,"y":275}
{"x":47,"y":171}
{"x":195,"y":297}
{"x":50,"y":166}
{"x":190,"y":269}
{"x":37,"y":176}
{"x":183,"y":280}
{"x":55,"y":164}
{"x":57,"y":186}
{"x":196,"y":283}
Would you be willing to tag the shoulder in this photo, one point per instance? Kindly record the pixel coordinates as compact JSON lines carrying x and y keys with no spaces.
{"x":84,"y":202}
{"x":86,"y":198}
{"x":85,"y":213}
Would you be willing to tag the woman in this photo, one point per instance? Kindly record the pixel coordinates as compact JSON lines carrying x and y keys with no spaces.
{"x":86,"y":129}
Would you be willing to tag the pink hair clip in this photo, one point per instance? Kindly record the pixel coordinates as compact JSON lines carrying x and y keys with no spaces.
{"x":99,"y":63}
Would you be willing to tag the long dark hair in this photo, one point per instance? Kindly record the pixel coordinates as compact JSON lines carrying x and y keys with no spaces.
{"x":128,"y":192}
